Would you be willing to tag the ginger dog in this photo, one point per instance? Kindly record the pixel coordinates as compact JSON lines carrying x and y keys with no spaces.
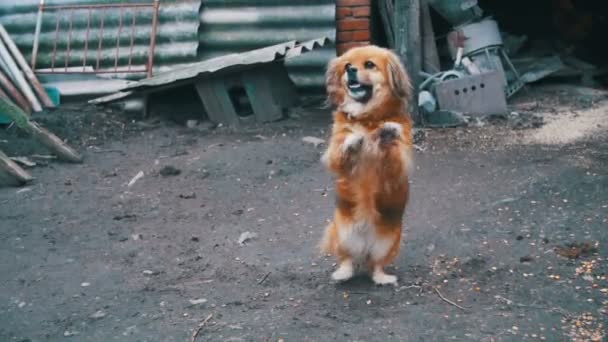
{"x":370,"y":154}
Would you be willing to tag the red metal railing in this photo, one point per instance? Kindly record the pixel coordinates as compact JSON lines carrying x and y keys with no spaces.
{"x":88,"y":10}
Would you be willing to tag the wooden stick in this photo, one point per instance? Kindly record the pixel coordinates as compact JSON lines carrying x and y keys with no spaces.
{"x":15,"y":94}
{"x":407,"y":45}
{"x":12,"y":172}
{"x":200,"y":327}
{"x":21,"y":83}
{"x":61,"y":149}
{"x":27,"y":71}
{"x":264,"y":278}
{"x":447,"y":300}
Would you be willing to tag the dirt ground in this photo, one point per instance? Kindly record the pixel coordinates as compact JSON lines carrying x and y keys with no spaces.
{"x":505,"y":236}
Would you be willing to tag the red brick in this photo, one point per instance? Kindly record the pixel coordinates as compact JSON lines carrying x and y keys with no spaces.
{"x":361,"y":35}
{"x":363,"y":11}
{"x":343,"y":12}
{"x":344,"y":36}
{"x":353,"y":24}
{"x":353,"y":3}
{"x":342,"y":48}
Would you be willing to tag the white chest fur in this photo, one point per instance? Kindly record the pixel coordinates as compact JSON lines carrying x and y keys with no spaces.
{"x":361,"y":241}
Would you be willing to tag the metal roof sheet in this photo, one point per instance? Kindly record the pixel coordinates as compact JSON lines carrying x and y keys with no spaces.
{"x":231,"y":62}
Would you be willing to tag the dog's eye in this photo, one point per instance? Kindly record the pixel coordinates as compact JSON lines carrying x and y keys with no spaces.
{"x":347,"y":66}
{"x":369,"y":65}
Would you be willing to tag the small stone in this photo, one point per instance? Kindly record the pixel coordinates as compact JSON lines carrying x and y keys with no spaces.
{"x":169,"y":171}
{"x":246,"y":236}
{"x":98,"y":315}
{"x":85,"y":284}
{"x":191,"y":123}
{"x":198,"y":301}
{"x":313,"y":140}
{"x":68,"y":333}
{"x":526,"y":258}
{"x":188,"y":195}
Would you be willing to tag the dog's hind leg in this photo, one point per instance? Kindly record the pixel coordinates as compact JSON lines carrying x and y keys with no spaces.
{"x":382,"y":254}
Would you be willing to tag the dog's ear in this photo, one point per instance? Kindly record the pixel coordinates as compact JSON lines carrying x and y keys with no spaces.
{"x":399,"y":80}
{"x":335,"y":92}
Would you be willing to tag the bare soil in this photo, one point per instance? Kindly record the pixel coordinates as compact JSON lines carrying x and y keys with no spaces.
{"x":490,"y":226}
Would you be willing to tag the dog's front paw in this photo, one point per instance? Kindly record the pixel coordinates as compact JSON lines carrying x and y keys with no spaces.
{"x":353,"y":143}
{"x":389,"y":132}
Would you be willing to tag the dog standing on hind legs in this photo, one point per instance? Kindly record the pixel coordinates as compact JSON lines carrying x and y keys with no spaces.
{"x":370,"y":154}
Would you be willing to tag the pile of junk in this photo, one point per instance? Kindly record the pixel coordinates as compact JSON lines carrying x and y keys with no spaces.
{"x":477,"y":55}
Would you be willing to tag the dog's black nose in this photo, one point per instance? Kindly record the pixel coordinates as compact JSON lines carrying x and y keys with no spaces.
{"x":351,"y":72}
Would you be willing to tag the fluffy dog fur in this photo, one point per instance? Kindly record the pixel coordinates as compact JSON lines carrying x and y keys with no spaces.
{"x":370,"y":153}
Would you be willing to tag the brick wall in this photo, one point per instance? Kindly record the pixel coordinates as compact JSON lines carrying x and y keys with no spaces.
{"x":353,"y":24}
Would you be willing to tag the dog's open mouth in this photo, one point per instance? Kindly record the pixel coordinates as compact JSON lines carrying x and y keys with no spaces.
{"x":358,"y":91}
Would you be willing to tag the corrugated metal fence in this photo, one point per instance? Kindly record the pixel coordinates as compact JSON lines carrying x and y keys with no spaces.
{"x":240,"y":25}
{"x":190,"y":31}
{"x":177,"y":38}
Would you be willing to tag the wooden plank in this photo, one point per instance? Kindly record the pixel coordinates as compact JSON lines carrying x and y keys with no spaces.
{"x":27,"y":71}
{"x":15,"y":94}
{"x":407,"y":45}
{"x":385,"y":8}
{"x":20,"y":81}
{"x":430,"y":56}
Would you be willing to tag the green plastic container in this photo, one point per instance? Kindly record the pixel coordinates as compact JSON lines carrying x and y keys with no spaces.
{"x":53,"y":94}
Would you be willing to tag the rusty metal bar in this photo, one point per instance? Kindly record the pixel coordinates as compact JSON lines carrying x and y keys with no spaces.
{"x":112,"y":71}
{"x":150,"y":64}
{"x":118,"y":39}
{"x":68,"y":50}
{"x":104,"y":6}
{"x":132,"y":37}
{"x":103,"y":14}
{"x":86,"y":41}
{"x":61,"y":10}
{"x":55,"y":42}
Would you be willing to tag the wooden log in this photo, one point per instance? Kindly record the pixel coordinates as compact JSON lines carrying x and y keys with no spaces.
{"x":27,"y":71}
{"x":385,"y":8}
{"x":51,"y":141}
{"x":407,"y":45}
{"x":15,"y":94}
{"x":430,"y":56}
{"x":20,"y":81}
{"x":11,"y":173}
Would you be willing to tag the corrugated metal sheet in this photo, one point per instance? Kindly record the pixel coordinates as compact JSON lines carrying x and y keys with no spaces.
{"x":231,"y":62}
{"x":177,"y":38}
{"x":234,"y":26}
{"x":187,"y":35}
